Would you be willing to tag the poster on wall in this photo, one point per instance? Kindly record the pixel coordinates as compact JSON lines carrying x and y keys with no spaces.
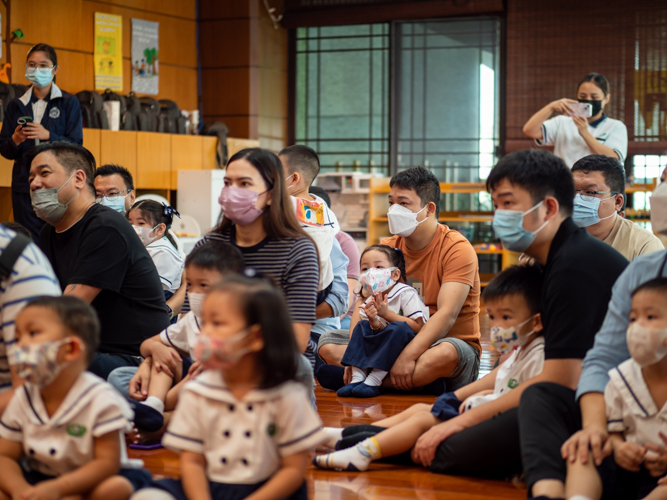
{"x":108,"y":54}
{"x":145,"y":57}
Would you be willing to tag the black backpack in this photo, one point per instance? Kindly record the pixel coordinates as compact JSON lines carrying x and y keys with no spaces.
{"x":92,"y":110}
{"x":125,"y":123}
{"x":150,"y":111}
{"x":133,"y":112}
{"x":6,"y":96}
{"x":221,"y":131}
{"x":171,"y":121}
{"x":11,"y":254}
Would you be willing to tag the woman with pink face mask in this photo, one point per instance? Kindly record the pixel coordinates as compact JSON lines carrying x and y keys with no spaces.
{"x":387,"y":316}
{"x":258,"y":218}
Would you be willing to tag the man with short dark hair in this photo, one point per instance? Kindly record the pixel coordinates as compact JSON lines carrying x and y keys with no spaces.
{"x":114,"y":188}
{"x":533,"y":194}
{"x":442,"y":265}
{"x":96,"y":254}
{"x":599,"y":183}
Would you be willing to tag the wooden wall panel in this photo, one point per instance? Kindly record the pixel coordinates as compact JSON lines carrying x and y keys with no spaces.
{"x":6,"y":213}
{"x":6,"y":167}
{"x":92,"y":142}
{"x":209,"y":148}
{"x":153,"y":161}
{"x":68,"y":25}
{"x":119,"y":148}
{"x":186,"y":154}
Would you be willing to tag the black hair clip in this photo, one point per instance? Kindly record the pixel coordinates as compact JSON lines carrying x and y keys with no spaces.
{"x":396,"y":249}
{"x":168,"y":210}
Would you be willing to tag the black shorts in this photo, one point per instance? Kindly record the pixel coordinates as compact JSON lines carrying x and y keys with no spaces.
{"x":139,"y":478}
{"x":222,"y":491}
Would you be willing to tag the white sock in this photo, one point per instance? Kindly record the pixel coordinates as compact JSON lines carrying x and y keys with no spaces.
{"x":358,"y":375}
{"x":375,"y":377}
{"x":334,"y":434}
{"x":357,"y":458}
{"x":579,"y":497}
{"x":155,"y":403}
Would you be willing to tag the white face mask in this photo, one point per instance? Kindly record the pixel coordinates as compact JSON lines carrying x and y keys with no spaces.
{"x":197,"y":303}
{"x":144,"y":234}
{"x":403,"y":221}
{"x":659,"y":209}
{"x":646,"y":345}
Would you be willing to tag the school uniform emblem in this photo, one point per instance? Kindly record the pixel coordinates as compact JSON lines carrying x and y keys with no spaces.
{"x":54,"y":113}
{"x":271,"y":429}
{"x":76,"y":430}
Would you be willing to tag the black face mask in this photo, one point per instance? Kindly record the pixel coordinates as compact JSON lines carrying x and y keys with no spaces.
{"x":597,"y":105}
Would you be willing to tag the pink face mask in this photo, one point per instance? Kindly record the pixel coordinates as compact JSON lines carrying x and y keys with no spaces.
{"x":238,"y":205}
{"x":217,"y":353}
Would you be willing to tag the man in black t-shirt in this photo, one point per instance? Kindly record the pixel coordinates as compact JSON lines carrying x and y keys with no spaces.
{"x":96,"y":254}
{"x":533,"y":194}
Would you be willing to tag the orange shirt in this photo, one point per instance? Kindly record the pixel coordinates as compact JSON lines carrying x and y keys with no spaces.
{"x":449,"y":257}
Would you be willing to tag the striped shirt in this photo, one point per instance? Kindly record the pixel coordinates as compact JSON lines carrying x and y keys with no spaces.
{"x":291,"y":262}
{"x":31,"y":277}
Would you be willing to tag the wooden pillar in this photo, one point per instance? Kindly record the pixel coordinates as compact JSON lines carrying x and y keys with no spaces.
{"x":244,"y":70}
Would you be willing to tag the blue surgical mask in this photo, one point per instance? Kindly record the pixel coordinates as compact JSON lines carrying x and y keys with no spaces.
{"x":116,"y":203}
{"x":39,"y":77}
{"x":508,"y":226}
{"x":586,"y":210}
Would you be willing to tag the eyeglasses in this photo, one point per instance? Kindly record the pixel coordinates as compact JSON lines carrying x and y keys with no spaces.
{"x":112,"y":196}
{"x":44,"y":65}
{"x":591,"y":195}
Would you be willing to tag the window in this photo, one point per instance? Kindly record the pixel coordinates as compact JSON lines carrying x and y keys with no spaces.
{"x":342,"y":95}
{"x":443,"y":108}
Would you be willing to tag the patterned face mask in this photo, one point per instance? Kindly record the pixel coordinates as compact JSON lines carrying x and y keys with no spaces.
{"x":507,"y":339}
{"x":37,"y":363}
{"x":376,"y":280}
{"x":217,"y":353}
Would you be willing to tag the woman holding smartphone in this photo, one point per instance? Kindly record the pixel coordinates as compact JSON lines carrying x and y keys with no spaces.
{"x":580,"y":130}
{"x":44,"y":113}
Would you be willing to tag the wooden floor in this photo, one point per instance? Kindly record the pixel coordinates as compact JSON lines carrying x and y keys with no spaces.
{"x":381,"y":481}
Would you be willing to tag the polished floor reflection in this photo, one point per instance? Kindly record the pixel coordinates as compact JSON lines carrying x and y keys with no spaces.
{"x":382,"y":481}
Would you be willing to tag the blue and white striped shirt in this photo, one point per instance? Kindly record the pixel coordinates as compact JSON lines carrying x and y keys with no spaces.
{"x":31,"y":277}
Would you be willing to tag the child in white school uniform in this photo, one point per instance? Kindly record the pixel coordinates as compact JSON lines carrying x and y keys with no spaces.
{"x":152,"y":221}
{"x":513,"y":304}
{"x":636,"y":407}
{"x":244,"y":427}
{"x":169,"y":356}
{"x":387,"y":316}
{"x":61,"y":435}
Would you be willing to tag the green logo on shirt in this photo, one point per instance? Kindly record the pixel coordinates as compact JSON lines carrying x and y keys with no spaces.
{"x":513,"y":383}
{"x":76,"y":430}
{"x":271,"y":429}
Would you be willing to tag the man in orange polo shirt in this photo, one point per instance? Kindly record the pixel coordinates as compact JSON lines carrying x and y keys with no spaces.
{"x":442,"y":265}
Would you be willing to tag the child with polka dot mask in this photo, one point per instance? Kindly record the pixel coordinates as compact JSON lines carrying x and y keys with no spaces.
{"x":244,"y":426}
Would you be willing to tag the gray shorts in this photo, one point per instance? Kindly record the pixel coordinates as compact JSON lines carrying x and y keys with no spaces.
{"x":465,"y":372}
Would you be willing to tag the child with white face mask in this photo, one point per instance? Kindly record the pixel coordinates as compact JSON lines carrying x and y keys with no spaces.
{"x":636,"y":408}
{"x":152,"y":221}
{"x":170,"y":358}
{"x":512,"y":301}
{"x":387,"y":316}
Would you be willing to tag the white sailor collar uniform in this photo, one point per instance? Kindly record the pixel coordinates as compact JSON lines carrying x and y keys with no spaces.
{"x":630,"y":406}
{"x":65,"y":441}
{"x":243,"y":441}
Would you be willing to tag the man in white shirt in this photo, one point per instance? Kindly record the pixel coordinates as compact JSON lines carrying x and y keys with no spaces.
{"x":600,"y":195}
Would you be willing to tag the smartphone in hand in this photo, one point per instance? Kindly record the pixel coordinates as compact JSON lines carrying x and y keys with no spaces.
{"x":581,"y":109}
{"x":24,"y":119}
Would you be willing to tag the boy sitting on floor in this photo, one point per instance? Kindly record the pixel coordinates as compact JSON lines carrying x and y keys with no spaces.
{"x":61,"y":435}
{"x":512,"y":300}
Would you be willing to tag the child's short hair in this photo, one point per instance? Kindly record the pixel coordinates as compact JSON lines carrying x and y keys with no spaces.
{"x":395,"y":256}
{"x":264,"y":305}
{"x":76,"y":316}
{"x":524,"y":280}
{"x":217,"y":255}
{"x":654,"y":285}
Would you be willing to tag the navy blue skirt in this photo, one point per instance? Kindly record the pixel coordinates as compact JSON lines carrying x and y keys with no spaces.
{"x":222,"y":491}
{"x":377,"y":349}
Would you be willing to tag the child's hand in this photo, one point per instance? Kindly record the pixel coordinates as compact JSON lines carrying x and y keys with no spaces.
{"x":165,"y":359}
{"x":138,"y":388}
{"x":381,"y":304}
{"x":656,"y":463}
{"x":42,"y":491}
{"x":629,"y":455}
{"x":195,"y":369}
{"x":371,"y":309}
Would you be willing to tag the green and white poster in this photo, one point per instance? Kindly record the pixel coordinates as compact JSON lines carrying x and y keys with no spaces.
{"x":145,"y":57}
